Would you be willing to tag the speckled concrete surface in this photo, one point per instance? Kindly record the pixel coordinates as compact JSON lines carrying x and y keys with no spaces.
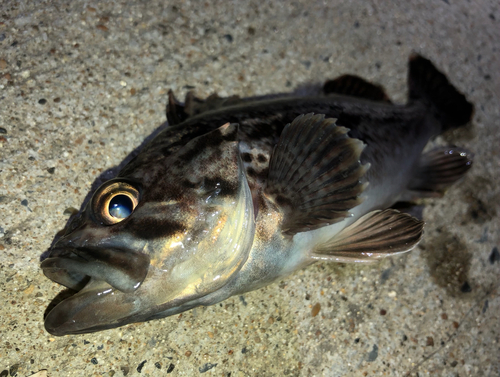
{"x":82,"y":83}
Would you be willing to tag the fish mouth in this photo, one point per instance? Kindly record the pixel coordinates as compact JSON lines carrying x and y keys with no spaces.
{"x":96,"y":307}
{"x":103,"y":279}
{"x":72,"y":267}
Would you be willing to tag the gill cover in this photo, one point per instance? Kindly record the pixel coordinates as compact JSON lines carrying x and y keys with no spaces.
{"x":195,"y":224}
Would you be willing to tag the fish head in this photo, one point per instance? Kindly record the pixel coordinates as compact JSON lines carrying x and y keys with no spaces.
{"x":165,"y":235}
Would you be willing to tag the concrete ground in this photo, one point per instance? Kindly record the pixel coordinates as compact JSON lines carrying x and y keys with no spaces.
{"x":82,"y":83}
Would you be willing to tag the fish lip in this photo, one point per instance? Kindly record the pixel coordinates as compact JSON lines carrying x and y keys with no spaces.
{"x":77,"y":313}
{"x":122,"y":268}
{"x":75,"y":268}
{"x":70,"y":279}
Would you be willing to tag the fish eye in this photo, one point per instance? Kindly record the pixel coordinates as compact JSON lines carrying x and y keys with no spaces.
{"x":114,"y":202}
{"x":121,"y":206}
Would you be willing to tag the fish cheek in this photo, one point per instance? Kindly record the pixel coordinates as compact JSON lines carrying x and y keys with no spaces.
{"x":198,"y":237}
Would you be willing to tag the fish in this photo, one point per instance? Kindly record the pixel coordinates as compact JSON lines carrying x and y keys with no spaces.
{"x":237,"y":193}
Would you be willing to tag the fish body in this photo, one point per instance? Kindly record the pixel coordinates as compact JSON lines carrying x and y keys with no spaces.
{"x":237,"y":193}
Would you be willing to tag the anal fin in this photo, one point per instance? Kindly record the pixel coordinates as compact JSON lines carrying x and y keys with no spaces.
{"x":374,"y":236}
{"x":355,"y":86}
{"x":437,"y":170}
{"x":315,"y":174}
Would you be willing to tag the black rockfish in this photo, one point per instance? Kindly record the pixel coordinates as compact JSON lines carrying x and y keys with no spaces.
{"x":237,"y":193}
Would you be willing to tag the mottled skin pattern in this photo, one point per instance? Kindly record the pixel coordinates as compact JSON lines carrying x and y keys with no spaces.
{"x":173,"y":180}
{"x":381,"y":126}
{"x":209,"y":223}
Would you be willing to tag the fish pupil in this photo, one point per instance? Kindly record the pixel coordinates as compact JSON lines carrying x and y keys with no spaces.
{"x":121,"y":206}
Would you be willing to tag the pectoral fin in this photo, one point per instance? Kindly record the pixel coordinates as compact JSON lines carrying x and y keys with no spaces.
{"x":376,"y":235}
{"x":315,"y":173}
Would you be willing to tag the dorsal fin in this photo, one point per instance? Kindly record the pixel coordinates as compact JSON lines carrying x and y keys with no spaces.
{"x":355,"y":86}
{"x":175,"y":110}
{"x":178,"y":112}
{"x":315,"y":173}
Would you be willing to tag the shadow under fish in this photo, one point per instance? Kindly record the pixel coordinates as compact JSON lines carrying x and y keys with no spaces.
{"x":237,"y":193}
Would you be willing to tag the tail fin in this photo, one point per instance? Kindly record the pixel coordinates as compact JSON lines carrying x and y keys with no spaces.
{"x":427,"y":84}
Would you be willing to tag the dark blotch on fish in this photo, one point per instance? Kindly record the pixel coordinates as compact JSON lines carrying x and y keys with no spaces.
{"x":214,"y":139}
{"x":262,"y":174}
{"x":190,"y":185}
{"x":261,"y":158}
{"x":246,"y":157}
{"x":150,"y":228}
{"x":226,"y":187}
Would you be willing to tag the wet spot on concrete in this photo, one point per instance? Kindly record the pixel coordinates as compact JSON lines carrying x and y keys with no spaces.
{"x":242,"y":299}
{"x":385,"y":275}
{"x":372,"y":356}
{"x":466,"y":288}
{"x":449,"y":262}
{"x":206,"y":367}
{"x":485,"y":306}
{"x":479,"y":211}
{"x":494,"y":256}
